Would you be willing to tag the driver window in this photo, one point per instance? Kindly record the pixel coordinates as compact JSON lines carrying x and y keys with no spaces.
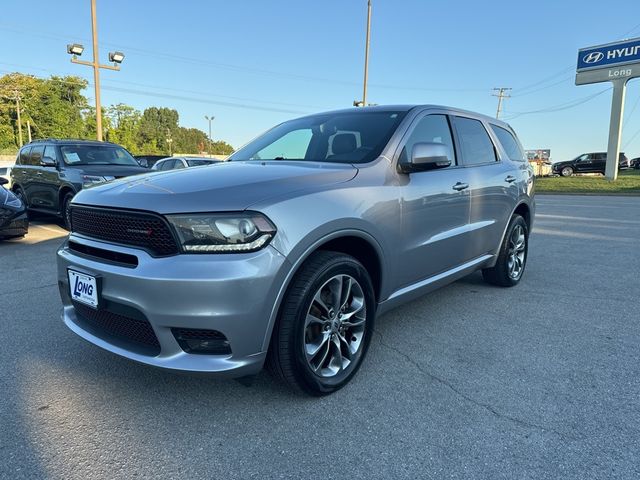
{"x":50,"y":152}
{"x":432,"y":129}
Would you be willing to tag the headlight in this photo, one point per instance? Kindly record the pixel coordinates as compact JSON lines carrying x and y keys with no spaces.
{"x":12,"y":201}
{"x":89,"y":180}
{"x":222,"y":233}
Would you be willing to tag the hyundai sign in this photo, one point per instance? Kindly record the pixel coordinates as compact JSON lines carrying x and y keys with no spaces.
{"x":616,"y":62}
{"x":610,"y":55}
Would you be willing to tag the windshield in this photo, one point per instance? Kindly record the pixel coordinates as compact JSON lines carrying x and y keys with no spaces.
{"x":97,"y":155}
{"x":346,"y":137}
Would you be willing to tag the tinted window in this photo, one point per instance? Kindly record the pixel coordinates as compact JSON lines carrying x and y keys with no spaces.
{"x":24,"y":156}
{"x":50,"y":151}
{"x":96,"y":155}
{"x":432,"y":129}
{"x":36,"y":155}
{"x":197,"y":163}
{"x":178,"y":164}
{"x":509,"y":143}
{"x":342,"y":137}
{"x":474,"y":141}
{"x":167,"y":165}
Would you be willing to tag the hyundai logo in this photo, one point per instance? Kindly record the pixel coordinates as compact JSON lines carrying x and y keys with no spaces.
{"x":593,"y":57}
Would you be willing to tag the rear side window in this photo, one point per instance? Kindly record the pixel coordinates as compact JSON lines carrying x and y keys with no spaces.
{"x":166,"y":165}
{"x":509,"y":143}
{"x":475,"y":143}
{"x":24,"y":156}
{"x":36,"y":155}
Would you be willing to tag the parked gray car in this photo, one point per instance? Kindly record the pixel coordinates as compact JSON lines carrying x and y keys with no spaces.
{"x":287,"y":252}
{"x":176,"y":163}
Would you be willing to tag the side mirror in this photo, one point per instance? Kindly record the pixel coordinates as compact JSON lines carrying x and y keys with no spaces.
{"x":48,"y":162}
{"x":3,"y":181}
{"x":427,"y":156}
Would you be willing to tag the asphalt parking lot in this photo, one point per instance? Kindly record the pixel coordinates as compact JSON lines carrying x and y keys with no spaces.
{"x":472,"y":381}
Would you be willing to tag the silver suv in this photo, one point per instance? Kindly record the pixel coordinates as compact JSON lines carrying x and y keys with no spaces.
{"x":287,"y":252}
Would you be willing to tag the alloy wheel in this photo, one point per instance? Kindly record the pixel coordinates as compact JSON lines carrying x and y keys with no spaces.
{"x":517,"y":252}
{"x":335,"y":326}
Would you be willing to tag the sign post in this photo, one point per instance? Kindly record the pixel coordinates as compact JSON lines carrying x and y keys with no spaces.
{"x":617,"y":63}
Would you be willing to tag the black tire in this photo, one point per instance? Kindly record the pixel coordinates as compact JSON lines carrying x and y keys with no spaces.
{"x":20,"y":194}
{"x":566,"y":171}
{"x":65,"y":212}
{"x":287,"y":358}
{"x":501,"y":274}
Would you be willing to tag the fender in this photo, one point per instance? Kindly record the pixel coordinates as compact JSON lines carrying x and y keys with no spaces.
{"x":295,"y":266}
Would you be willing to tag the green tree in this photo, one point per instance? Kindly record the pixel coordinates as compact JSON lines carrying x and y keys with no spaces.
{"x":158,"y":124}
{"x":124,"y":128}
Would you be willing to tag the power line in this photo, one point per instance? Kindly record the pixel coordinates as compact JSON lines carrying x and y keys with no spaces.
{"x":181,"y":90}
{"x":543,"y":88}
{"x":561,"y":106}
{"x":187,"y":98}
{"x":228,"y":66}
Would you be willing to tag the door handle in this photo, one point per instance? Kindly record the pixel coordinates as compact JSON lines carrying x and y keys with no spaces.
{"x":460,"y":186}
{"x":510,"y":179}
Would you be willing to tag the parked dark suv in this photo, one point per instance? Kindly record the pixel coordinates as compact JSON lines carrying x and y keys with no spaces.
{"x":48,"y":173}
{"x":588,"y":163}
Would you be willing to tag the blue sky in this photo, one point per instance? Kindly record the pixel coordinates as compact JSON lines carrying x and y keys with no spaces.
{"x":255,"y":63}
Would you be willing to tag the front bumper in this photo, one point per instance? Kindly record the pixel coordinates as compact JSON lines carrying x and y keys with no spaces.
{"x":234,"y":294}
{"x":16,"y":226}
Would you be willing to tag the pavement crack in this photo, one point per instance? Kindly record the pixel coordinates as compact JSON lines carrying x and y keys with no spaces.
{"x":469,"y":399}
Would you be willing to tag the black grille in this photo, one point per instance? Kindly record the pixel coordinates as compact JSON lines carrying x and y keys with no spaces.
{"x":144,"y":230}
{"x":188,"y":339}
{"x":109,"y":255}
{"x":120,"y":327}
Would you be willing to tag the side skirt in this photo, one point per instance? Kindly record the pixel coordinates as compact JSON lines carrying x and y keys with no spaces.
{"x":422,"y":287}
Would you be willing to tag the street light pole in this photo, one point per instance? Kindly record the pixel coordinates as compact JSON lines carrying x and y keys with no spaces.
{"x":115,"y":57}
{"x":210,"y":119}
{"x":363,"y":102}
{"x":366,"y":55}
{"x":96,"y":70}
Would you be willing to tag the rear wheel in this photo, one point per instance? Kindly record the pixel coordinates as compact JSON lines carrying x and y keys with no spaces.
{"x":566,"y":171}
{"x":66,"y":210}
{"x":512,"y":257}
{"x":325,"y":325}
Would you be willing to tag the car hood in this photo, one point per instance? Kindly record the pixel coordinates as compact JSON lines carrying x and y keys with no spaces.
{"x":117,"y":171}
{"x":225,"y":186}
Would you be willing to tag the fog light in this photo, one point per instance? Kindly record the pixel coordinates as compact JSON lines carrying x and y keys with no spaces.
{"x":203,"y":342}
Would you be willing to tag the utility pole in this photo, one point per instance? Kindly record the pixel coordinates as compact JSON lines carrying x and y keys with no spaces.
{"x":29,"y":131}
{"x":170,"y":142}
{"x":115,"y":57}
{"x":501,"y":94}
{"x":17,"y":98}
{"x":210,"y":119}
{"x":363,"y":102}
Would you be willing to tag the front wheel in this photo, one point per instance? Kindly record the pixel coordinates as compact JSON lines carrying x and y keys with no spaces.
{"x":512,"y":256}
{"x":566,"y":171}
{"x":325,"y":325}
{"x":66,"y":210}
